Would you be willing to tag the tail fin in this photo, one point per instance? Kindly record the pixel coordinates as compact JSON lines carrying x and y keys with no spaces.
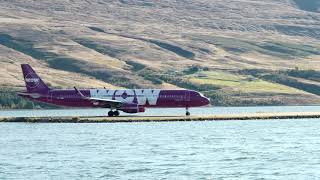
{"x":32,"y":80}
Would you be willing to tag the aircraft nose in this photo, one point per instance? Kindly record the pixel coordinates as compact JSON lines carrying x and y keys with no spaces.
{"x":206,"y":101}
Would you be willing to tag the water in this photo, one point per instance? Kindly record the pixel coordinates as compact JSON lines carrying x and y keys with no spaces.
{"x":158,"y":112}
{"x":309,"y":5}
{"x":275,"y":149}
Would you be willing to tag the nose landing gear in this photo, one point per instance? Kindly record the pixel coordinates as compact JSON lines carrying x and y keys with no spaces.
{"x":113,"y":113}
{"x":187,"y":111}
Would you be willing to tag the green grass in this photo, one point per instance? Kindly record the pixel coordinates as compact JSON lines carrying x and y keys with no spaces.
{"x":288,"y":79}
{"x":236,"y":82}
{"x":261,"y":86}
{"x":216,"y":78}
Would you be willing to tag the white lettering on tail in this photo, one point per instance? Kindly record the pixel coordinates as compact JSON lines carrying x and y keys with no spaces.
{"x":32,"y":80}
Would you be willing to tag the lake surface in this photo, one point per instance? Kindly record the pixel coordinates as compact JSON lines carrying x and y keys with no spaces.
{"x":308,"y":5}
{"x":275,"y":149}
{"x":158,"y":112}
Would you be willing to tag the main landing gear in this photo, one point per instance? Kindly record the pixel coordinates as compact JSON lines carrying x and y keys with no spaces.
{"x":187,"y":111}
{"x":113,"y":113}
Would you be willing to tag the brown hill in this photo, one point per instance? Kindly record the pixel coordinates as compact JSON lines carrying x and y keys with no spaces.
{"x":211,"y":46}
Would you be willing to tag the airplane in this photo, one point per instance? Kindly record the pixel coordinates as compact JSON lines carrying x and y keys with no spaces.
{"x":126,"y":100}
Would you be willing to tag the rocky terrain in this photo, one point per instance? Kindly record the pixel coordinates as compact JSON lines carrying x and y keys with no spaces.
{"x":238,"y":52}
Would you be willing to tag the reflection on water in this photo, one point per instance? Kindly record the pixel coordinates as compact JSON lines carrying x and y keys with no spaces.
{"x":177,"y":150}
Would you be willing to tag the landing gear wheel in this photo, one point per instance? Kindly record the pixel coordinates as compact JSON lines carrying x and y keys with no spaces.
{"x":116,"y":113}
{"x":110,"y":113}
{"x":187,"y":111}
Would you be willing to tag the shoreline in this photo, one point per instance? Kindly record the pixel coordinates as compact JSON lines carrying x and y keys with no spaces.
{"x":126,"y":119}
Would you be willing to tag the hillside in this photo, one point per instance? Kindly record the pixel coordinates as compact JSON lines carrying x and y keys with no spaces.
{"x":239,"y":52}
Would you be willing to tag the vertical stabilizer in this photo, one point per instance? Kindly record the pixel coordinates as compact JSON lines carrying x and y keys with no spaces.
{"x":34,"y":84}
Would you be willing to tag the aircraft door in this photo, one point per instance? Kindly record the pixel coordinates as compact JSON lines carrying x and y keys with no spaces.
{"x":187,"y":96}
{"x":49,"y":97}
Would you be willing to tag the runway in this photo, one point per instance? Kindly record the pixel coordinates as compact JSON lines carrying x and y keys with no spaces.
{"x":216,"y":117}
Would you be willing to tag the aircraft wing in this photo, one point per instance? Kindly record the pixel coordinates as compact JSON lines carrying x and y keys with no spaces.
{"x":107,"y":103}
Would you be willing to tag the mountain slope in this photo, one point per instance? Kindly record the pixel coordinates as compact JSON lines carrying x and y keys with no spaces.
{"x":199,"y":44}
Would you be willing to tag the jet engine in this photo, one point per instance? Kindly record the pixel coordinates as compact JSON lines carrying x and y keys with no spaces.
{"x":132,"y":108}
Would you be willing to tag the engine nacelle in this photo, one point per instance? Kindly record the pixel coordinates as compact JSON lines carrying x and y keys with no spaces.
{"x":142,"y":109}
{"x":132,"y":108}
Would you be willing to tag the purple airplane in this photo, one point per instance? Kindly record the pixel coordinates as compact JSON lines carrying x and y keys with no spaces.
{"x":127,"y":100}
